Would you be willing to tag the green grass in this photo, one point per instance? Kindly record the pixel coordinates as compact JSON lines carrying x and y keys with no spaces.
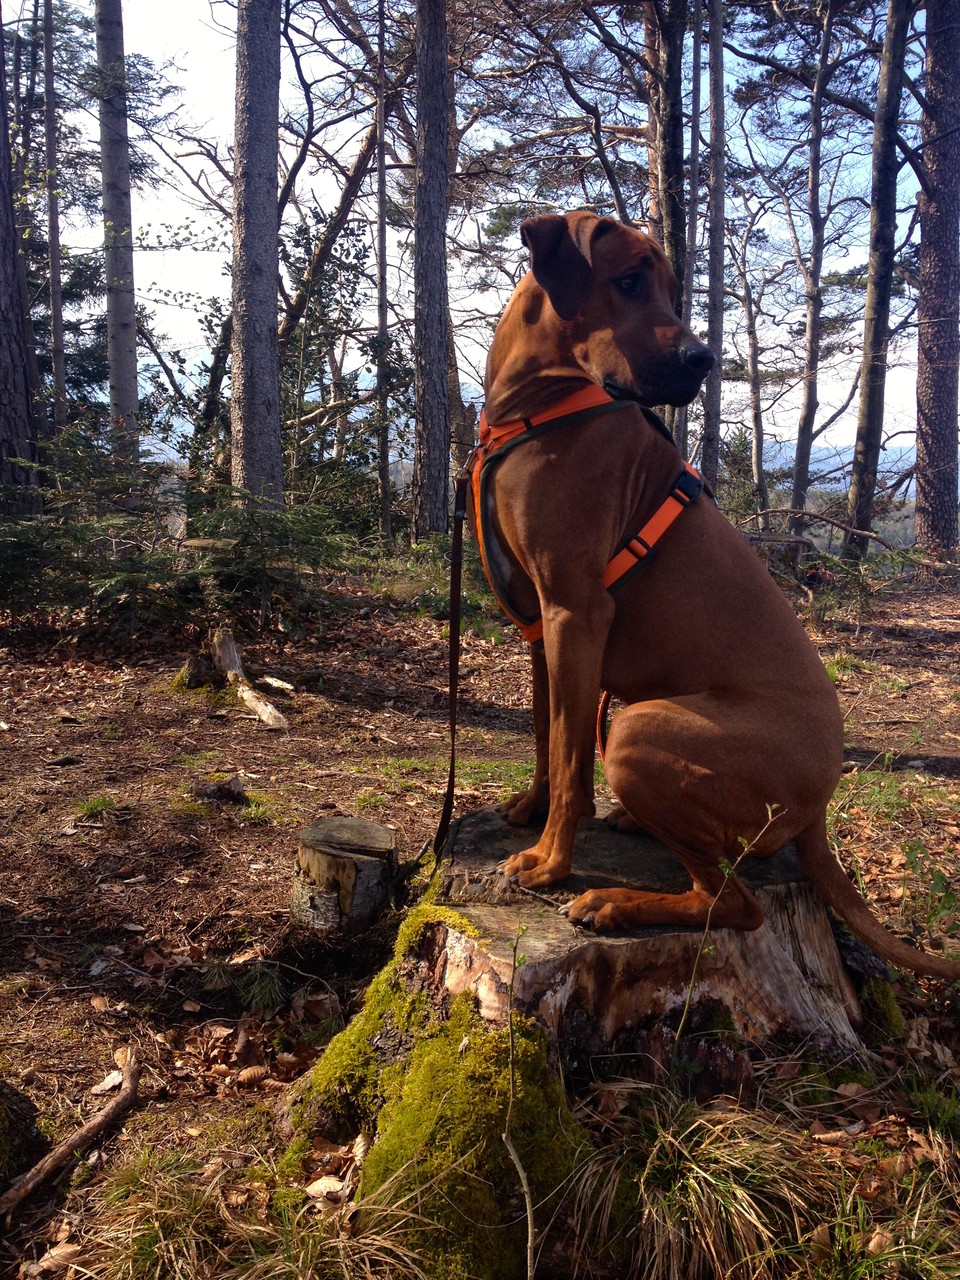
{"x":881,"y":794}
{"x":197,"y":760}
{"x":409,"y":773}
{"x":95,"y":806}
{"x":845,"y":664}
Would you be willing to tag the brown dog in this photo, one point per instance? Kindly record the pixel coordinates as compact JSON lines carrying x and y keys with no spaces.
{"x":732,"y":734}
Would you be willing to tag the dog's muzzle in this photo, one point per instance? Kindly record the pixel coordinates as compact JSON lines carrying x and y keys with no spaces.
{"x":697,"y":358}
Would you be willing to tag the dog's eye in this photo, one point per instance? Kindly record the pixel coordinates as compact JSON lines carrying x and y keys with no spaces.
{"x":631,"y":286}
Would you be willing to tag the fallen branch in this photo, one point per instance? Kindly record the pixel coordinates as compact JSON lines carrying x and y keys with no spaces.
{"x":814,"y":517}
{"x":71,"y":1147}
{"x":226,"y":658}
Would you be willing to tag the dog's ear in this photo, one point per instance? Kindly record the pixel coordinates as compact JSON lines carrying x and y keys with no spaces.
{"x":560,"y":259}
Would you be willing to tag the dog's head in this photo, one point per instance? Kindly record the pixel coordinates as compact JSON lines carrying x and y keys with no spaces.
{"x":613,"y":289}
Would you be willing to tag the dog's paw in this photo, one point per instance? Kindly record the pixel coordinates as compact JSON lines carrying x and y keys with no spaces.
{"x":585,"y":922}
{"x":620,"y":820}
{"x":511,"y":867}
{"x":594,"y":911}
{"x":526,"y":807}
{"x":534,"y":869}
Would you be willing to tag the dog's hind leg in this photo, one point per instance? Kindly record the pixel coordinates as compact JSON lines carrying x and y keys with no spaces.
{"x":620,"y":820}
{"x":710,"y":778}
{"x":718,"y":898}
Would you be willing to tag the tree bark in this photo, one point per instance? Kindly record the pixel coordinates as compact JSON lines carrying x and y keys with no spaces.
{"x":681,"y":416}
{"x":710,"y":447}
{"x":431,"y":469}
{"x":938,"y":346}
{"x":256,"y":451}
{"x":750,"y":316}
{"x":342,"y":876}
{"x":627,"y":993}
{"x":18,"y":441}
{"x":666,"y":26}
{"x":22,"y":111}
{"x":876,"y":323}
{"x":53,"y":224}
{"x":812,"y":269}
{"x":210,"y":446}
{"x":384,"y":503}
{"x":117,"y":232}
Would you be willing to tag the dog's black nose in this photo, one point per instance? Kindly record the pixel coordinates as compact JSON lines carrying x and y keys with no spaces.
{"x":697,"y":357}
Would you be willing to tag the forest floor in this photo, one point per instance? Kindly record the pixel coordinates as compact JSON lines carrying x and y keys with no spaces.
{"x":133,"y":912}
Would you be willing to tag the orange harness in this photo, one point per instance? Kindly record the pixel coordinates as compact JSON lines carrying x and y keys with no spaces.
{"x":634,"y":547}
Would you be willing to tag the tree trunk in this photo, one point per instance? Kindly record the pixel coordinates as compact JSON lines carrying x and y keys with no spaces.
{"x":18,"y":442}
{"x":343,"y":875}
{"x":23,"y":109}
{"x":226,"y":658}
{"x":710,"y":447}
{"x":118,"y":232}
{"x":384,"y":504}
{"x":338,"y":390}
{"x":812,"y":269}
{"x":761,"y":499}
{"x":681,"y":419}
{"x":432,"y":446}
{"x":256,"y":451}
{"x":53,"y":224}
{"x":210,"y":445}
{"x":876,"y":322}
{"x":666,"y":26}
{"x":651,"y":50}
{"x":938,"y":349}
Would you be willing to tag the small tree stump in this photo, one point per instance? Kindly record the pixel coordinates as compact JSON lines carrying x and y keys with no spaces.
{"x":226,"y":659}
{"x":784,"y":982}
{"x":342,"y":876}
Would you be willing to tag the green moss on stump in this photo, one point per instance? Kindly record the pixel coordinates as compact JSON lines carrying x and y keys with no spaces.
{"x":884,"y":1022}
{"x":439,"y":1139}
{"x":431,"y":1081}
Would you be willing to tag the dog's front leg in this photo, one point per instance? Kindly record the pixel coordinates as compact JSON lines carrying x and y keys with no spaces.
{"x":574,"y":641}
{"x":525,"y":806}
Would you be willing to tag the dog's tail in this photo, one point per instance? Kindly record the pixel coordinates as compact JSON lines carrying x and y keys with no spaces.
{"x":841,"y":895}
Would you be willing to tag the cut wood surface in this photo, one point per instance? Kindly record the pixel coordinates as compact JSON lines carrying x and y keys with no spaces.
{"x":343,"y":873}
{"x":784,"y":980}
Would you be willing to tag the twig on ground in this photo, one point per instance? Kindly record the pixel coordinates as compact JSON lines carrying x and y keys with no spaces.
{"x":70,"y":1148}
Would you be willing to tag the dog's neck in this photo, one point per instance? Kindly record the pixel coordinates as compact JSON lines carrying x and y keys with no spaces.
{"x":526,"y":374}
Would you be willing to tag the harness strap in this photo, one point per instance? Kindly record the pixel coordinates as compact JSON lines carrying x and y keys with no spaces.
{"x":685,"y":492}
{"x":633,"y":549}
{"x":494,"y":442}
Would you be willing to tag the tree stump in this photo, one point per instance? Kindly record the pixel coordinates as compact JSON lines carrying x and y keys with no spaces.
{"x":342,"y":876}
{"x":226,"y":659}
{"x":783,"y":983}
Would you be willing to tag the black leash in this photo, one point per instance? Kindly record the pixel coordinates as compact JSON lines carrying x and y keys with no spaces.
{"x":456,"y":579}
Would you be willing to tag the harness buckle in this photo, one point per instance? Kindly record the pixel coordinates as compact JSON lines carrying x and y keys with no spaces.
{"x":688,"y":487}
